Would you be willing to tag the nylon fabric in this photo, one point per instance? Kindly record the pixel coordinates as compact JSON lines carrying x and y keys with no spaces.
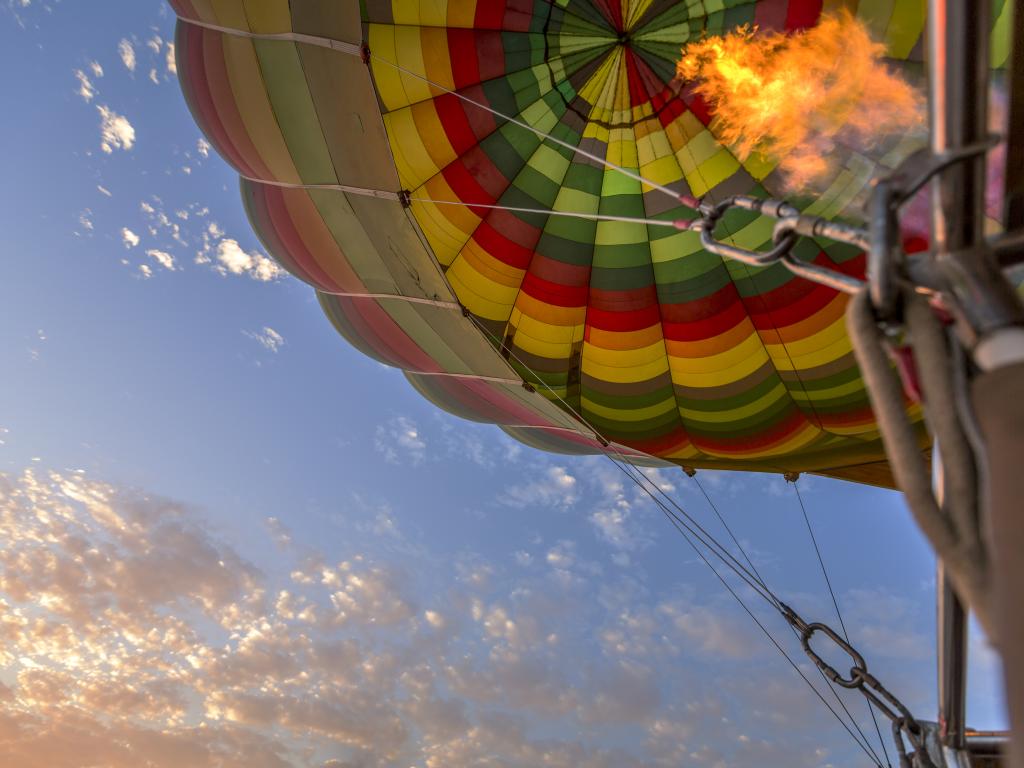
{"x":659,"y":345}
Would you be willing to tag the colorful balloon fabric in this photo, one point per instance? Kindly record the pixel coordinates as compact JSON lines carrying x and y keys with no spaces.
{"x":362,"y":130}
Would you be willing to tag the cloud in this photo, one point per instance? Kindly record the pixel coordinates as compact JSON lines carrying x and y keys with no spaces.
{"x":203,"y":147}
{"x":231,"y":259}
{"x":133,"y":634}
{"x":115,"y":131}
{"x":163,"y":258}
{"x":127,"y":53}
{"x":85,"y":87}
{"x":172,"y":65}
{"x":85,"y":220}
{"x":268,"y":338}
{"x":399,"y":440}
{"x":129,"y":238}
{"x":553,"y":487}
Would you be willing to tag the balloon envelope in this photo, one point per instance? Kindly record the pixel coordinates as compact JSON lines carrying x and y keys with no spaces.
{"x":355,"y":125}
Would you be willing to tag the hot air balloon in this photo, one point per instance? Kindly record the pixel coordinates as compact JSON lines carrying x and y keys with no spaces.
{"x":499,"y":197}
{"x":491,"y":197}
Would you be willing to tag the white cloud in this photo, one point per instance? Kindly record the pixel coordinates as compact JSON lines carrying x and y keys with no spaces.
{"x":172,"y":66}
{"x":232,"y":259}
{"x":268,"y":338}
{"x":555,"y":487}
{"x":203,"y":147}
{"x":85,"y":87}
{"x":127,"y":53}
{"x":146,"y":270}
{"x":129,"y":238}
{"x":153,"y":77}
{"x":103,"y":190}
{"x":134,"y":635}
{"x":154,"y":44}
{"x":85,"y":220}
{"x":400,"y":438}
{"x":162,"y":258}
{"x":115,"y":130}
{"x":96,"y":69}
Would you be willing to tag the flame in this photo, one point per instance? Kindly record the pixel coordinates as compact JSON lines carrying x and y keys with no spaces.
{"x":796,"y":98}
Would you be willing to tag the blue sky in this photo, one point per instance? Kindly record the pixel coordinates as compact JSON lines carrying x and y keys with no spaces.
{"x":230,"y":539}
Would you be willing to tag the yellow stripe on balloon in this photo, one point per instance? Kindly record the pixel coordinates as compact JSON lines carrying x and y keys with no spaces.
{"x":622,"y":340}
{"x":552,"y":314}
{"x":268,"y":16}
{"x":624,"y":366}
{"x":827,"y":345}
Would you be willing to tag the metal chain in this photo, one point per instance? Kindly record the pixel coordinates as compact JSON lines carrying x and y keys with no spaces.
{"x":905,"y":727}
{"x":790,"y":227}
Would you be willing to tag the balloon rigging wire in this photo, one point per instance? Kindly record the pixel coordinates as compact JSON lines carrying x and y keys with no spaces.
{"x":353,"y":49}
{"x":835,"y":603}
{"x":688,"y":528}
{"x":674,"y":223}
{"x":865,"y":744}
{"x":685,"y":199}
{"x":831,"y":685}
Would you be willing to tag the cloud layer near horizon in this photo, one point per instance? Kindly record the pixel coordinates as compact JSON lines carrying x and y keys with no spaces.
{"x":132,"y":635}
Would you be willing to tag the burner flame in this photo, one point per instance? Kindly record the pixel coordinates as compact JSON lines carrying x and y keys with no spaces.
{"x":799,"y":98}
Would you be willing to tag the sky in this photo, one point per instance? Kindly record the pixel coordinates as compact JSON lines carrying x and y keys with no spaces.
{"x":232,"y":540}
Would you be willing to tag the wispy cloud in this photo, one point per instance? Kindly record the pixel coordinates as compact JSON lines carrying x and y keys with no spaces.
{"x":129,"y":238}
{"x":400,"y":440}
{"x":268,"y":338}
{"x":553,"y":486}
{"x":127,"y":53}
{"x":85,"y":87}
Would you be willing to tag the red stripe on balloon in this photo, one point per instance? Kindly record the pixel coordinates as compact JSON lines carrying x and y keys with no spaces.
{"x":803,"y":14}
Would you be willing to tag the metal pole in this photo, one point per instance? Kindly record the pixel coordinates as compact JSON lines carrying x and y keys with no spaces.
{"x":958,"y":48}
{"x":958,"y":68}
{"x":989,"y":314}
{"x":951,"y":652}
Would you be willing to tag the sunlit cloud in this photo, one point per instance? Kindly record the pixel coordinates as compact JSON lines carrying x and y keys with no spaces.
{"x":116,"y":132}
{"x":86,"y":90}
{"x":132,"y":633}
{"x":232,"y":259}
{"x":127,"y":53}
{"x":163,"y":258}
{"x":129,"y":238}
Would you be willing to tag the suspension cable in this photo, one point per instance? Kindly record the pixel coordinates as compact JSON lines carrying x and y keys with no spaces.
{"x":681,"y":521}
{"x":681,"y":528}
{"x":721,"y":519}
{"x":831,"y":685}
{"x":839,"y":613}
